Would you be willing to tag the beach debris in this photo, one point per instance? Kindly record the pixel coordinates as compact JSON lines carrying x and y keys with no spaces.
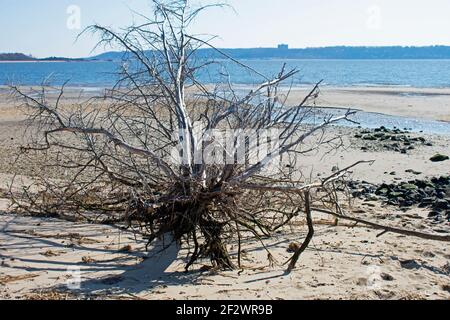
{"x":8,"y":279}
{"x":50,"y":295}
{"x":87,"y":260}
{"x":439,"y":158}
{"x":293,"y":247}
{"x":206,"y":268}
{"x":51,"y":253}
{"x":127,"y":248}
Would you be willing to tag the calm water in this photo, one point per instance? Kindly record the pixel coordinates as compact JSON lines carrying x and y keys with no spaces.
{"x":414,"y":73}
{"x":411,"y":73}
{"x":375,"y":120}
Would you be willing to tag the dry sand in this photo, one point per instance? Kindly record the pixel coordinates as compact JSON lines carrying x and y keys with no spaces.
{"x":39,"y":256}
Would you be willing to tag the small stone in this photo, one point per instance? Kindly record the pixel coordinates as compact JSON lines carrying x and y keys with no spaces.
{"x":409,"y":186}
{"x":441,"y":204}
{"x":433,"y":214}
{"x":386,"y":277}
{"x":413,"y":172}
{"x":383,"y":191}
{"x":372,"y":197}
{"x":395,"y":194}
{"x":410,"y":264}
{"x":439,"y":158}
{"x":369,"y":137}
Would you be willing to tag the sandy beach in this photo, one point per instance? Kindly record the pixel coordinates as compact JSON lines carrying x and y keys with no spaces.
{"x":40,"y":256}
{"x":427,"y":103}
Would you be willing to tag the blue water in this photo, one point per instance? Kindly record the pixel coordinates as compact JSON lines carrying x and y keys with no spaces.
{"x":413,"y":73}
{"x":410,"y":73}
{"x":373,"y":120}
{"x":83,"y":74}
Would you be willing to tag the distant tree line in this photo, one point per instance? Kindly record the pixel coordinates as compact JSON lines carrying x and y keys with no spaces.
{"x":16,"y":57}
{"x":338,"y":52}
{"x":24,"y":57}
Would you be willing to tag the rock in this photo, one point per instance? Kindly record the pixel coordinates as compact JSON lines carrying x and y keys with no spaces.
{"x":425,"y":202}
{"x":430,"y":191}
{"x":441,"y":204}
{"x":428,"y":254}
{"x":433,"y":214}
{"x":433,"y":194}
{"x":441,"y":194}
{"x":382,"y":192}
{"x":439,"y":158}
{"x":409,"y":186}
{"x":386,"y":277}
{"x":395,"y":194}
{"x":372,"y":197}
{"x":369,"y":137}
{"x":410,"y":264}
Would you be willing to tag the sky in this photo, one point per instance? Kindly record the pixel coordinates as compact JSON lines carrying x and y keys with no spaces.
{"x":50,"y":27}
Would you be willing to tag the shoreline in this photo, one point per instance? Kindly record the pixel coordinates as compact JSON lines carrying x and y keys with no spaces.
{"x":408,"y":102}
{"x":45,"y":61}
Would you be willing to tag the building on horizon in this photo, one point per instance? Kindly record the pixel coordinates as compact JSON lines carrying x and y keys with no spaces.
{"x":283,"y":46}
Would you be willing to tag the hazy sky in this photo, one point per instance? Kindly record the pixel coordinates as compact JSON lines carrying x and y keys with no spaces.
{"x":49,"y":27}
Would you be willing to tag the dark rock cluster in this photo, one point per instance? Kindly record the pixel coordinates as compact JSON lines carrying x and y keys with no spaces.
{"x":433,"y":194}
{"x":390,"y":139}
{"x":439,"y":158}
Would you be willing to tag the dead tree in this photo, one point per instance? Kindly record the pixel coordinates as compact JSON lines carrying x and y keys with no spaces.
{"x":166,"y":154}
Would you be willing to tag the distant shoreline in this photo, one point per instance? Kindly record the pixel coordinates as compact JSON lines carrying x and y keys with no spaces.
{"x":45,"y":61}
